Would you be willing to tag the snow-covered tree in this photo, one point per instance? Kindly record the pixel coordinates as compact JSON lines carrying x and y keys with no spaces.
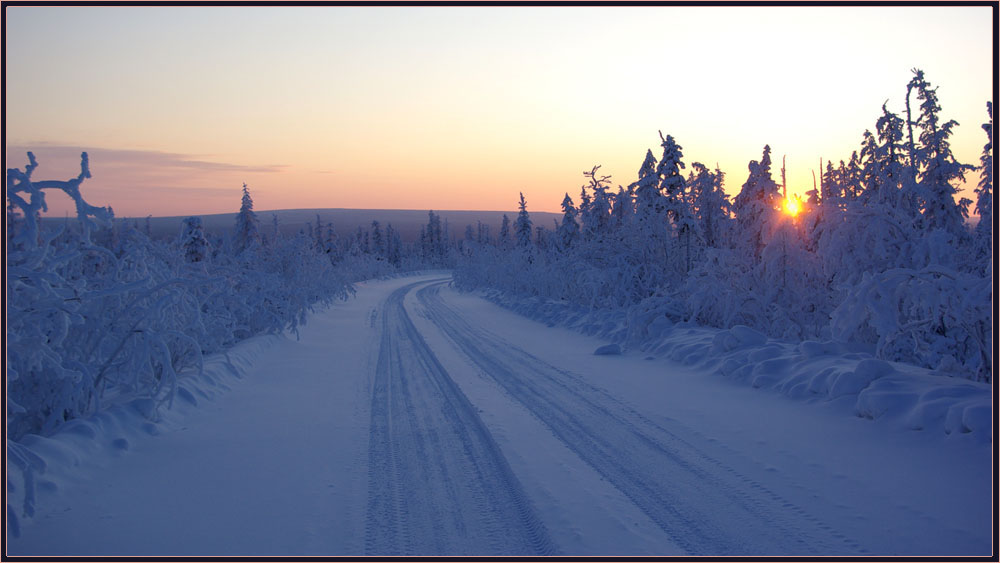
{"x":274,"y":227}
{"x":394,"y":245}
{"x":247,"y":232}
{"x":505,"y":239}
{"x":755,"y":207}
{"x":522,"y":226}
{"x":622,"y":209}
{"x":984,"y":199}
{"x":790,"y":285}
{"x":671,"y":180}
{"x":711,"y":203}
{"x":938,"y":169}
{"x":890,"y":176}
{"x":483,"y":233}
{"x":330,"y":239}
{"x":596,"y":215}
{"x":569,"y":229}
{"x":378,"y":241}
{"x":193,"y":240}
{"x":648,"y":200}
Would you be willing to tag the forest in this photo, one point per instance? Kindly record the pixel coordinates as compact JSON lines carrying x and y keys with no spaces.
{"x":880,"y":254}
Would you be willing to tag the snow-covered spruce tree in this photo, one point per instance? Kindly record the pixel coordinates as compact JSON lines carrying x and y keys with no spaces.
{"x":434,"y":248}
{"x":852,"y":177}
{"x":871,"y":232}
{"x":505,"y":239}
{"x":330,"y":245}
{"x":711,"y":204}
{"x":378,"y":241}
{"x":482,"y":233}
{"x":318,"y":239}
{"x":522,"y":226}
{"x":937,"y":167}
{"x":394,"y":246}
{"x":247,"y":233}
{"x":193,"y":241}
{"x":890,"y":164}
{"x":468,"y":240}
{"x":622,"y":209}
{"x":668,"y":171}
{"x":869,"y":167}
{"x":596,"y":215}
{"x":648,"y":231}
{"x":648,"y":200}
{"x":569,"y":229}
{"x":755,"y":207}
{"x":984,"y":200}
{"x":677,"y":208}
{"x":541,"y":238}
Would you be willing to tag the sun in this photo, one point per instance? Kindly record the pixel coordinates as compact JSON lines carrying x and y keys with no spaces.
{"x":792,"y":206}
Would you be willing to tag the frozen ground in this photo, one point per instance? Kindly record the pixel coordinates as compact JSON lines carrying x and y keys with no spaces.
{"x":420,"y":421}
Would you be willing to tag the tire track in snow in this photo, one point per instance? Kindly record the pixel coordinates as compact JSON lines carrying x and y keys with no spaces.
{"x":704,"y":505}
{"x":438,"y":483}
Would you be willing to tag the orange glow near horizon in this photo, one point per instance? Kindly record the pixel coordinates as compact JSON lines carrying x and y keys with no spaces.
{"x":456,"y":108}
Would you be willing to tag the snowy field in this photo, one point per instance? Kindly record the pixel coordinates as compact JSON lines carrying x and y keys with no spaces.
{"x":417,"y":420}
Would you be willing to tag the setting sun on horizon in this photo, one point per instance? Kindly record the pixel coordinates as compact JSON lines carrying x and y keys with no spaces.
{"x":792,"y":205}
{"x":455,"y":108}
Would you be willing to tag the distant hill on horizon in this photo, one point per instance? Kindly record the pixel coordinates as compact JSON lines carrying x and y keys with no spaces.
{"x":345,"y":221}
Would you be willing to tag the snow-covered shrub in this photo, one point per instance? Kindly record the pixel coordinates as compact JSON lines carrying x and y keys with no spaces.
{"x":934,"y":317}
{"x":117,"y":316}
{"x":723,"y":291}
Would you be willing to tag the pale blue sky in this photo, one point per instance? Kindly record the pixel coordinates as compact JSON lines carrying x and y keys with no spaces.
{"x":461,"y":107}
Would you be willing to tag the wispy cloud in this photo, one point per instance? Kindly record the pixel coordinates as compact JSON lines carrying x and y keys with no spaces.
{"x":140,"y":182}
{"x":131,"y":158}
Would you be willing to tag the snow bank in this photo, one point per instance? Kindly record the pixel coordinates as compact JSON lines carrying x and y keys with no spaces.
{"x":37,"y":465}
{"x":895,"y":393}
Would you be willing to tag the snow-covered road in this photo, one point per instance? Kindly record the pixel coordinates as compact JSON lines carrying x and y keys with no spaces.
{"x":437,"y":481}
{"x":417,"y":420}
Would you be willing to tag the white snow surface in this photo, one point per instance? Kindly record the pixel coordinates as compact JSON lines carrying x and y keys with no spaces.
{"x":417,"y":420}
{"x":895,"y":393}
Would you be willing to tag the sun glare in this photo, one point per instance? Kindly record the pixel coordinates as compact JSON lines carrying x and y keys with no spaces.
{"x":793,"y":205}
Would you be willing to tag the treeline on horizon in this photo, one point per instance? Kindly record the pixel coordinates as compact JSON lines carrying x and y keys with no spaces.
{"x":99,"y":312}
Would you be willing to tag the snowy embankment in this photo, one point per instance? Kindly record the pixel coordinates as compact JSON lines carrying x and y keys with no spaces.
{"x":890,"y":392}
{"x":38,"y":464}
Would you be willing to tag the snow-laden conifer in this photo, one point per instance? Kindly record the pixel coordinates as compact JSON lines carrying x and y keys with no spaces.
{"x":984,"y":199}
{"x":755,"y":207}
{"x":193,"y":240}
{"x":378,"y":240}
{"x":522,"y":226}
{"x":247,"y":232}
{"x":569,"y":229}
{"x":647,"y":191}
{"x":938,"y":169}
{"x":505,"y":238}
